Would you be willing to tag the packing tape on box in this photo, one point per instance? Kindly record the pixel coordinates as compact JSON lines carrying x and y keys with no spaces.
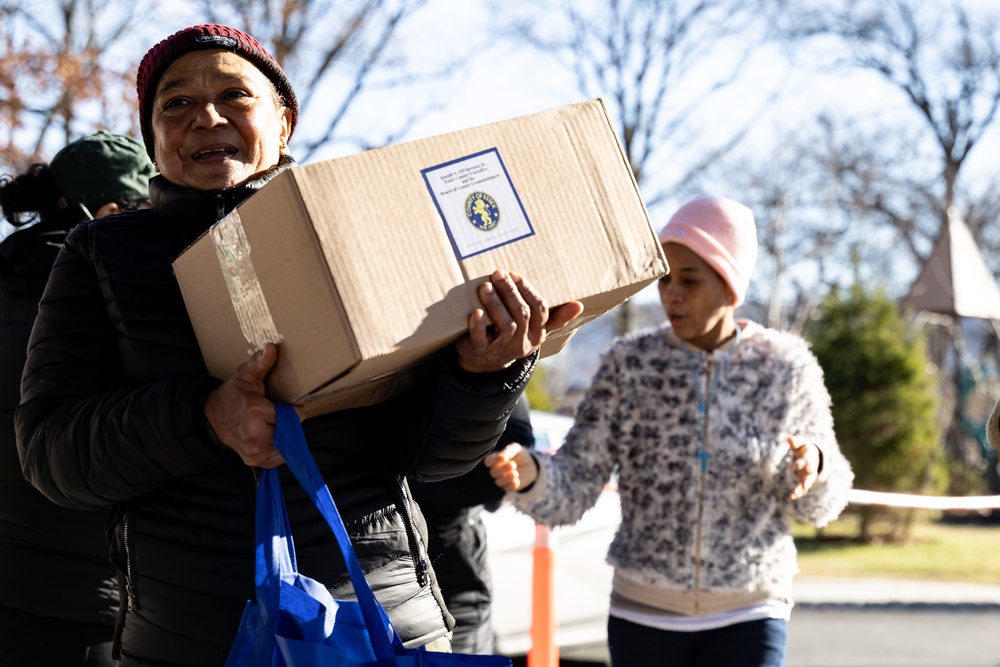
{"x":232,"y":249}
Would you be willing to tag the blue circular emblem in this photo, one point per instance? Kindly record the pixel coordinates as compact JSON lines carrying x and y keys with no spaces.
{"x":482,"y":211}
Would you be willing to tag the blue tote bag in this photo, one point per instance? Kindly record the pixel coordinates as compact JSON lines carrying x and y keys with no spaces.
{"x":295,"y":621}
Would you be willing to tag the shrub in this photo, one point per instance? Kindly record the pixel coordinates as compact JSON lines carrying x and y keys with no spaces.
{"x":884,"y":403}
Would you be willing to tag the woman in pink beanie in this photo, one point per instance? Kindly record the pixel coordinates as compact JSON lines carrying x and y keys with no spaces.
{"x":719,"y":434}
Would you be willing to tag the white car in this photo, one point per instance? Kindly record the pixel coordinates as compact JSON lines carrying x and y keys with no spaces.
{"x":582,"y":578}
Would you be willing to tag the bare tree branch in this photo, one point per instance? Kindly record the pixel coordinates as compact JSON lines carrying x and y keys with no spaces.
{"x":59,"y":74}
{"x":644,"y":57}
{"x":659,"y":64}
{"x":947,"y":65}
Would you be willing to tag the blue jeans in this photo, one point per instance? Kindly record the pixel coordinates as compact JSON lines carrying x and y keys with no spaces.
{"x":760,"y":643}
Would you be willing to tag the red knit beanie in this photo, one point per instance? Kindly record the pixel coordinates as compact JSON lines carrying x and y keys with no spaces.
{"x":198,"y":38}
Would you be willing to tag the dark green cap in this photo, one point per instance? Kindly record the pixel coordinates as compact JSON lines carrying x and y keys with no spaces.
{"x":102,"y":168}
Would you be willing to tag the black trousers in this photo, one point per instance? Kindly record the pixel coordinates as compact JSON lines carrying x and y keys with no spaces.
{"x":26,"y":639}
{"x":760,"y":643}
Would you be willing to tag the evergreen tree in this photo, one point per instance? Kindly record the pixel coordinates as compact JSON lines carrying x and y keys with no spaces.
{"x":884,"y":403}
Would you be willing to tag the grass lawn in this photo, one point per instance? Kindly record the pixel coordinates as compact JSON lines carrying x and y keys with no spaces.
{"x":943,"y":551}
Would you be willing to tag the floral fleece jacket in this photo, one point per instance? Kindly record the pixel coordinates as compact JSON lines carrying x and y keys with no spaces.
{"x":685,"y":531}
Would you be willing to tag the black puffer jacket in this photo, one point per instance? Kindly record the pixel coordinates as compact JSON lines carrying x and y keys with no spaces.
{"x":53,"y":560}
{"x":112,"y":414}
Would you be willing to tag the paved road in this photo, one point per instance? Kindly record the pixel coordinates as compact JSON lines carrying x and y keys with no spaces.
{"x":893,"y":623}
{"x":877,"y":623}
{"x":873,"y":637}
{"x":895,"y":637}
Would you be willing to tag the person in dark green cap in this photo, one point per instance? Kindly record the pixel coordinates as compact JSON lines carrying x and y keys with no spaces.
{"x":92,"y":177}
{"x":58,"y":600}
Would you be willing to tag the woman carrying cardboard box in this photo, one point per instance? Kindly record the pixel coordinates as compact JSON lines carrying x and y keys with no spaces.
{"x":119,"y":411}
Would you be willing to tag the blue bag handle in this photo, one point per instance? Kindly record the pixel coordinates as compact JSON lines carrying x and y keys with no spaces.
{"x":290,"y":441}
{"x":276,"y":555}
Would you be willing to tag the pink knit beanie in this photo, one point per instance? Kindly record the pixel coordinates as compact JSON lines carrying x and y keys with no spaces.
{"x":722,"y":232}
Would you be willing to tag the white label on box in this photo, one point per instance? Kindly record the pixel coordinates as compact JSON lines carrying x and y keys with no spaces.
{"x":478,"y":203}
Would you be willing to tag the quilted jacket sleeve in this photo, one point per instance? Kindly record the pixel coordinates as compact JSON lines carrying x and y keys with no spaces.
{"x":455,"y":418}
{"x":84,"y":440}
{"x":476,"y":487}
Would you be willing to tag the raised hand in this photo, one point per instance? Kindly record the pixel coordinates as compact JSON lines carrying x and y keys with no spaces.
{"x":520,"y":318}
{"x":805,"y":464}
{"x":513,"y":468}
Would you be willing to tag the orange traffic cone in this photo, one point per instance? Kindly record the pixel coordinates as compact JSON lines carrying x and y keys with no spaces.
{"x":543,"y":651}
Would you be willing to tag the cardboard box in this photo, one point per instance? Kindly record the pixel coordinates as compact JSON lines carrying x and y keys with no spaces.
{"x":364,"y":265}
